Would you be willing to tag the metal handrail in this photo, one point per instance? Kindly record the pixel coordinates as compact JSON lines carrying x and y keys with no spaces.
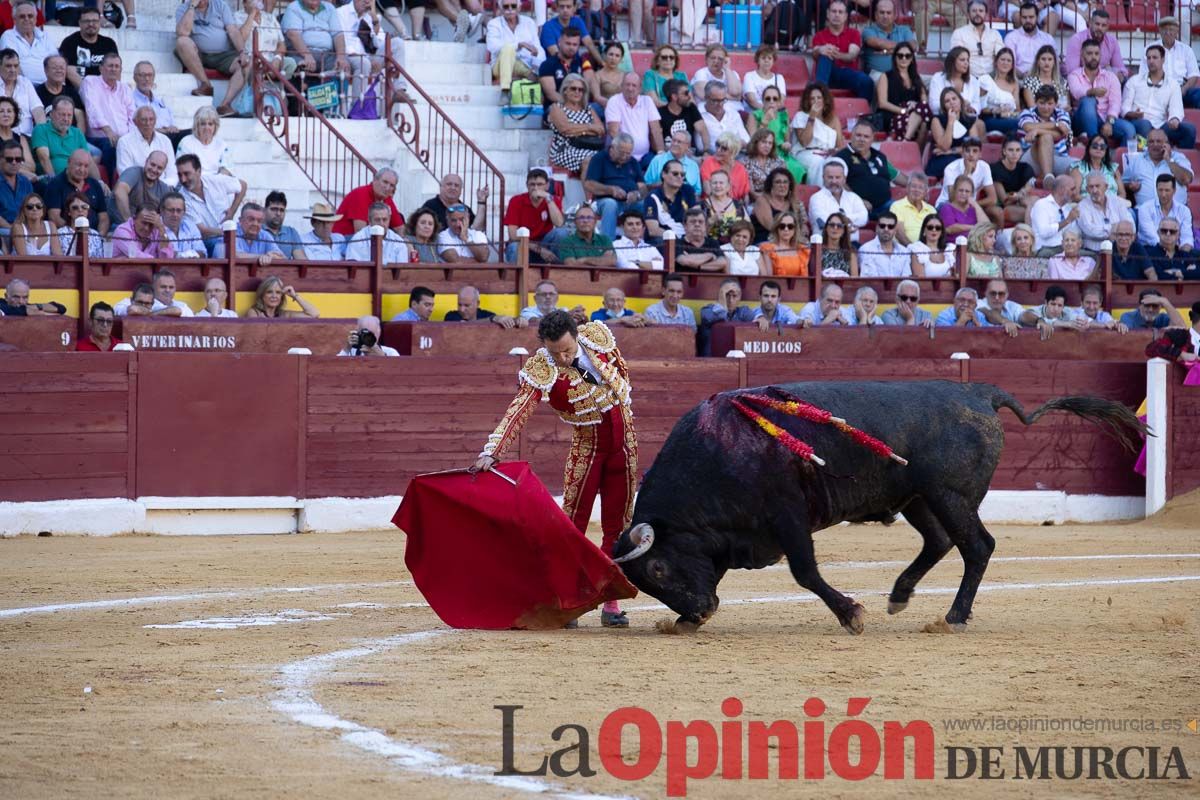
{"x":324,"y":155}
{"x":441,"y":147}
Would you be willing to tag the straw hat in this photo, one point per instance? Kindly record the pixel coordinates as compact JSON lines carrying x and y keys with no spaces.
{"x":323,"y":212}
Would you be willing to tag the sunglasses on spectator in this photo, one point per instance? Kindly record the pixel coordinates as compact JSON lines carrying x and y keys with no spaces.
{"x":666,"y":57}
{"x":34,"y":207}
{"x":574,"y":89}
{"x":934,"y":228}
{"x":882,"y":226}
{"x":908,"y":298}
{"x":903,"y":55}
{"x":675,"y":174}
{"x":1168,"y":230}
{"x":787,"y":226}
{"x":509,"y":7}
{"x":834,"y":225}
{"x":997,"y":294}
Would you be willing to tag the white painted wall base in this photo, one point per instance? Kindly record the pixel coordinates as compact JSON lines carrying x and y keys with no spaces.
{"x":229,"y":516}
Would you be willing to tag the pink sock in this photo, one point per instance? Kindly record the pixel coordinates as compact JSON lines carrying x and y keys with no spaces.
{"x":611,"y":607}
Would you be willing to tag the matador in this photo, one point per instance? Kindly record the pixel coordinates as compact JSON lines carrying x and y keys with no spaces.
{"x":580,"y":372}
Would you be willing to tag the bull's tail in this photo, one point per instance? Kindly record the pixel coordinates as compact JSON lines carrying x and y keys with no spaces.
{"x":1113,"y":417}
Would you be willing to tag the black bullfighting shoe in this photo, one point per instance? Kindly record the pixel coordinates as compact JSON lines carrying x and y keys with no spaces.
{"x":572,"y":625}
{"x":611,"y":619}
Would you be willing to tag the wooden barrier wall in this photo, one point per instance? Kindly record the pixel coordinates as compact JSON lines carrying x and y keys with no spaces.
{"x":1184,"y":450}
{"x":143,"y":424}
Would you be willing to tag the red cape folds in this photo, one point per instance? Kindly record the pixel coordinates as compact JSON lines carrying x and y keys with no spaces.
{"x":491,"y":555}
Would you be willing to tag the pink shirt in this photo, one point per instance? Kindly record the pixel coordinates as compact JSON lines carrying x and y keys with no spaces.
{"x":125,"y":243}
{"x":111,"y":107}
{"x":1110,"y":54}
{"x":634,"y":120}
{"x":1109,"y":106}
{"x":1061,"y":269}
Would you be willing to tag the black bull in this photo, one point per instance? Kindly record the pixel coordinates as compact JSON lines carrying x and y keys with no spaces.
{"x":723,"y":494}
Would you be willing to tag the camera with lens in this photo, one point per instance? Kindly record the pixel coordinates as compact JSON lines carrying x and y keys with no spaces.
{"x":366,"y":341}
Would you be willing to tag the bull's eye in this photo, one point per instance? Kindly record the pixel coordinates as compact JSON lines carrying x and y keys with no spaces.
{"x":658,"y":569}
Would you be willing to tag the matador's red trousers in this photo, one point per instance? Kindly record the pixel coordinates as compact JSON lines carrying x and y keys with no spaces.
{"x":598,"y":462}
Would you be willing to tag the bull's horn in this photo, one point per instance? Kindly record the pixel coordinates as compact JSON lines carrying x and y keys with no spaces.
{"x":642,"y":536}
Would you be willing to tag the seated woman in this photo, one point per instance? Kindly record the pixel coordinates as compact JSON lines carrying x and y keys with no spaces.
{"x":932,"y":257}
{"x":948,"y":129}
{"x":205,"y":143}
{"x":774,"y":116}
{"x":422,"y":230}
{"x":1024,"y":264}
{"x":663,"y":67}
{"x":784,"y":253}
{"x":778,"y":196}
{"x":77,"y":205}
{"x":762,"y":77}
{"x":903,"y":99}
{"x":981,"y":243}
{"x":270,"y":298}
{"x":609,"y":76}
{"x":725,"y":160}
{"x":32,"y":234}
{"x":1098,"y":158}
{"x":1071,"y":264}
{"x":574,"y":124}
{"x":838,"y":259}
{"x":744,"y":258}
{"x":816,"y":131}
{"x":760,"y":160}
{"x":723,"y":211}
{"x":963,"y":212}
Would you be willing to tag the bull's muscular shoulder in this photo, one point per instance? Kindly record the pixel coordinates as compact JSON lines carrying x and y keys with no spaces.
{"x":597,"y":336}
{"x":539,"y":371}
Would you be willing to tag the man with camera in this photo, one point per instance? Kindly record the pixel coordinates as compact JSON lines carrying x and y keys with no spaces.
{"x":364,"y":340}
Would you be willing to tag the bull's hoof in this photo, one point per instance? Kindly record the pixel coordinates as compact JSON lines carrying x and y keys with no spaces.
{"x":941,"y":625}
{"x":685,"y":625}
{"x":854,"y":625}
{"x":895,"y":607}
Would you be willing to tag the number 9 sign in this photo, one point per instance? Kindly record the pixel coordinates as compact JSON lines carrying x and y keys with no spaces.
{"x":65,"y":338}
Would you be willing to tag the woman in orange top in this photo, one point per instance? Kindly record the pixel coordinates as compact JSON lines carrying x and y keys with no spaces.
{"x":728,"y":147}
{"x":784,"y":253}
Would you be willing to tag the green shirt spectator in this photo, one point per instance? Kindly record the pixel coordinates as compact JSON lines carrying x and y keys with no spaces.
{"x":576,"y":247}
{"x":54,"y":147}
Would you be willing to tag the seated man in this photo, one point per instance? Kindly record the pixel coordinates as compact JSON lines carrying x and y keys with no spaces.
{"x":321,"y":243}
{"x":1151,"y":101}
{"x":358,"y":248}
{"x":420,"y":306}
{"x":586,"y":247}
{"x":565,"y":16}
{"x":459,"y":243}
{"x":1142,"y":170}
{"x":208,"y":37}
{"x":866,"y":302}
{"x":1053,"y":313}
{"x":633,"y":252}
{"x":211,"y":199}
{"x":963,"y":313}
{"x":57,"y":138}
{"x":870,"y":175}
{"x":568,"y":61}
{"x":161,"y":301}
{"x":100,"y":338}
{"x":1097,"y":96}
{"x":512,"y":44}
{"x":75,"y":178}
{"x":545,"y":300}
{"x":770,"y":310}
{"x":354,"y":347}
{"x":314,"y":37}
{"x":908,"y":310}
{"x":882,"y":34}
{"x":1164,"y":206}
{"x":85,"y":49}
{"x":828,"y":310}
{"x":538,"y":211}
{"x":1101,"y":211}
{"x":285,"y":236}
{"x":1170,"y":263}
{"x":469,"y":311}
{"x":980,"y":173}
{"x":727,"y":308}
{"x":1046,"y":129}
{"x":1053,"y":214}
{"x":912,"y":209}
{"x":719,"y":117}
{"x":142,"y":235}
{"x":251,"y":240}
{"x":1153,"y":311}
{"x":450,"y":189}
{"x":1092,"y":312}
{"x":634,"y":114}
{"x":135,"y":146}
{"x":355,"y":204}
{"x":614,"y":311}
{"x":183,"y":234}
{"x":143,"y":95}
{"x":614,"y":179}
{"x":697,"y":251}
{"x":883,"y":256}
{"x":109,"y":106}
{"x":998,"y":310}
{"x":666,"y":205}
{"x":679,"y":147}
{"x":836,"y":197}
{"x":669,"y":311}
{"x":836,"y":48}
{"x":15,"y":85}
{"x":680,"y":114}
{"x":139,"y":185}
{"x":30,"y":41}
{"x":16,"y":303}
{"x":216,"y":298}
{"x":14,"y":187}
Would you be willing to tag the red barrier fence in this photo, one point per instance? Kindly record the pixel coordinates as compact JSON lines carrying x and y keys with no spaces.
{"x":141,"y":424}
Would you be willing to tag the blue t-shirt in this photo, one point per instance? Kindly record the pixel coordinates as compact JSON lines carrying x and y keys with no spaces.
{"x":553,"y":67}
{"x":604,"y":315}
{"x":553,"y":29}
{"x":603,"y":170}
{"x":1134,"y":320}
{"x":11,"y":199}
{"x":948,"y":316}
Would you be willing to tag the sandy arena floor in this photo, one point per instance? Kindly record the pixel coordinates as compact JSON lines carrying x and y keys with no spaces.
{"x":308,"y":666}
